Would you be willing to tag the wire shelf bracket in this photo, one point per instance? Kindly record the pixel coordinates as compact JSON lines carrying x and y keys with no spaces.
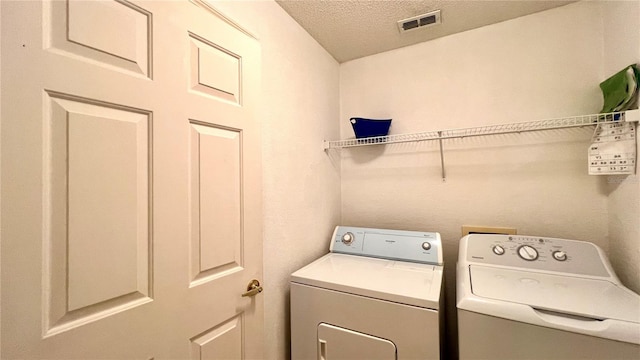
{"x":510,"y":128}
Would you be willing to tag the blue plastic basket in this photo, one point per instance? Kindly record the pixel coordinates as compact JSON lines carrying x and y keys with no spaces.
{"x":365,"y":128}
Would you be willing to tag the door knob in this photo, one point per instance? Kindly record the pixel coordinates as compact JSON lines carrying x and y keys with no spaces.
{"x":253,"y":288}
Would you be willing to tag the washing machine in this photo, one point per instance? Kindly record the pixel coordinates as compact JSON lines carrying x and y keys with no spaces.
{"x":376,"y":295}
{"x":529,"y":297}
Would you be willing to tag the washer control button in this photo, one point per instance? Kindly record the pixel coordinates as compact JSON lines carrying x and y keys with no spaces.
{"x":426,"y":245}
{"x":528,"y":252}
{"x":498,"y":250}
{"x":347,"y":238}
{"x":560,"y":255}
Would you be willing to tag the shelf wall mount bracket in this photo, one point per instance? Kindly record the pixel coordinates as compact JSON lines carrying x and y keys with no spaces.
{"x":444,"y":175}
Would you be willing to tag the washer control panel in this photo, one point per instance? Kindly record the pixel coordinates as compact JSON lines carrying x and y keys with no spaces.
{"x":540,"y":253}
{"x":415,"y":246}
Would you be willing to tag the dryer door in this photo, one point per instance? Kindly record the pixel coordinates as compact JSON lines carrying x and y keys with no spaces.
{"x":336,"y":343}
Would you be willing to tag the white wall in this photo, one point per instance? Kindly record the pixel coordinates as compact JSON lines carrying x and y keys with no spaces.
{"x":301,"y":183}
{"x":544,"y":65}
{"x":621,"y":48}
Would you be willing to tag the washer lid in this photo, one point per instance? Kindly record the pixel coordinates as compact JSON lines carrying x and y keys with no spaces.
{"x":598,"y":299}
{"x":398,"y":281}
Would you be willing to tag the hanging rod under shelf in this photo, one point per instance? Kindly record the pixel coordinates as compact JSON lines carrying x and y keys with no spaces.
{"x":537,"y":125}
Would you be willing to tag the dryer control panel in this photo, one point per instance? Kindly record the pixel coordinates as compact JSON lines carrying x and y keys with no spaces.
{"x":534,"y":252}
{"x":415,"y":246}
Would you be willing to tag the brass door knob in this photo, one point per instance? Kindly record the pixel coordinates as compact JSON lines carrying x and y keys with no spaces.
{"x":253,"y":288}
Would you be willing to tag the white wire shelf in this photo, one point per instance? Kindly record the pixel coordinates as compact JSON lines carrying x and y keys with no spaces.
{"x":538,"y":125}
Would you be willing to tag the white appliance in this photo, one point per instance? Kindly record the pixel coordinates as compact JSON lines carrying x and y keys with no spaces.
{"x":528,"y":297}
{"x":376,"y":295}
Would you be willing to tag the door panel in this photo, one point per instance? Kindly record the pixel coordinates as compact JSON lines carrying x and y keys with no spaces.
{"x":215,"y":71}
{"x":97,"y":201}
{"x":221,"y":342}
{"x":110,"y":33}
{"x":216,"y":201}
{"x":131,"y":212}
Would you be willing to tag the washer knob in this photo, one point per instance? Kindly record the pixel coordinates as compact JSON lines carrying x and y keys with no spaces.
{"x":528,"y":252}
{"x":560,"y":255}
{"x":498,"y":250}
{"x":426,"y":245}
{"x":347,"y":238}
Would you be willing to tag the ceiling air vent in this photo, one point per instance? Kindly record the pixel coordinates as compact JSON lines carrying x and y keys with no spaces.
{"x":419,"y":22}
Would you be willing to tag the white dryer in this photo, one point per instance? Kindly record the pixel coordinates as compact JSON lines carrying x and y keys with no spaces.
{"x":528,"y":297}
{"x":376,"y":295}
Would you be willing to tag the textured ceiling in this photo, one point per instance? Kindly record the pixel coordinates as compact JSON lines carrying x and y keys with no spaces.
{"x":350,"y":29}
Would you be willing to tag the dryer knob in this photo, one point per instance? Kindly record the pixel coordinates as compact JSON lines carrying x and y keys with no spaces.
{"x":426,"y":245}
{"x":347,"y":238}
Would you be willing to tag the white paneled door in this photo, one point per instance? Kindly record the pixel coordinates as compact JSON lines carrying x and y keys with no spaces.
{"x":131,"y":190}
